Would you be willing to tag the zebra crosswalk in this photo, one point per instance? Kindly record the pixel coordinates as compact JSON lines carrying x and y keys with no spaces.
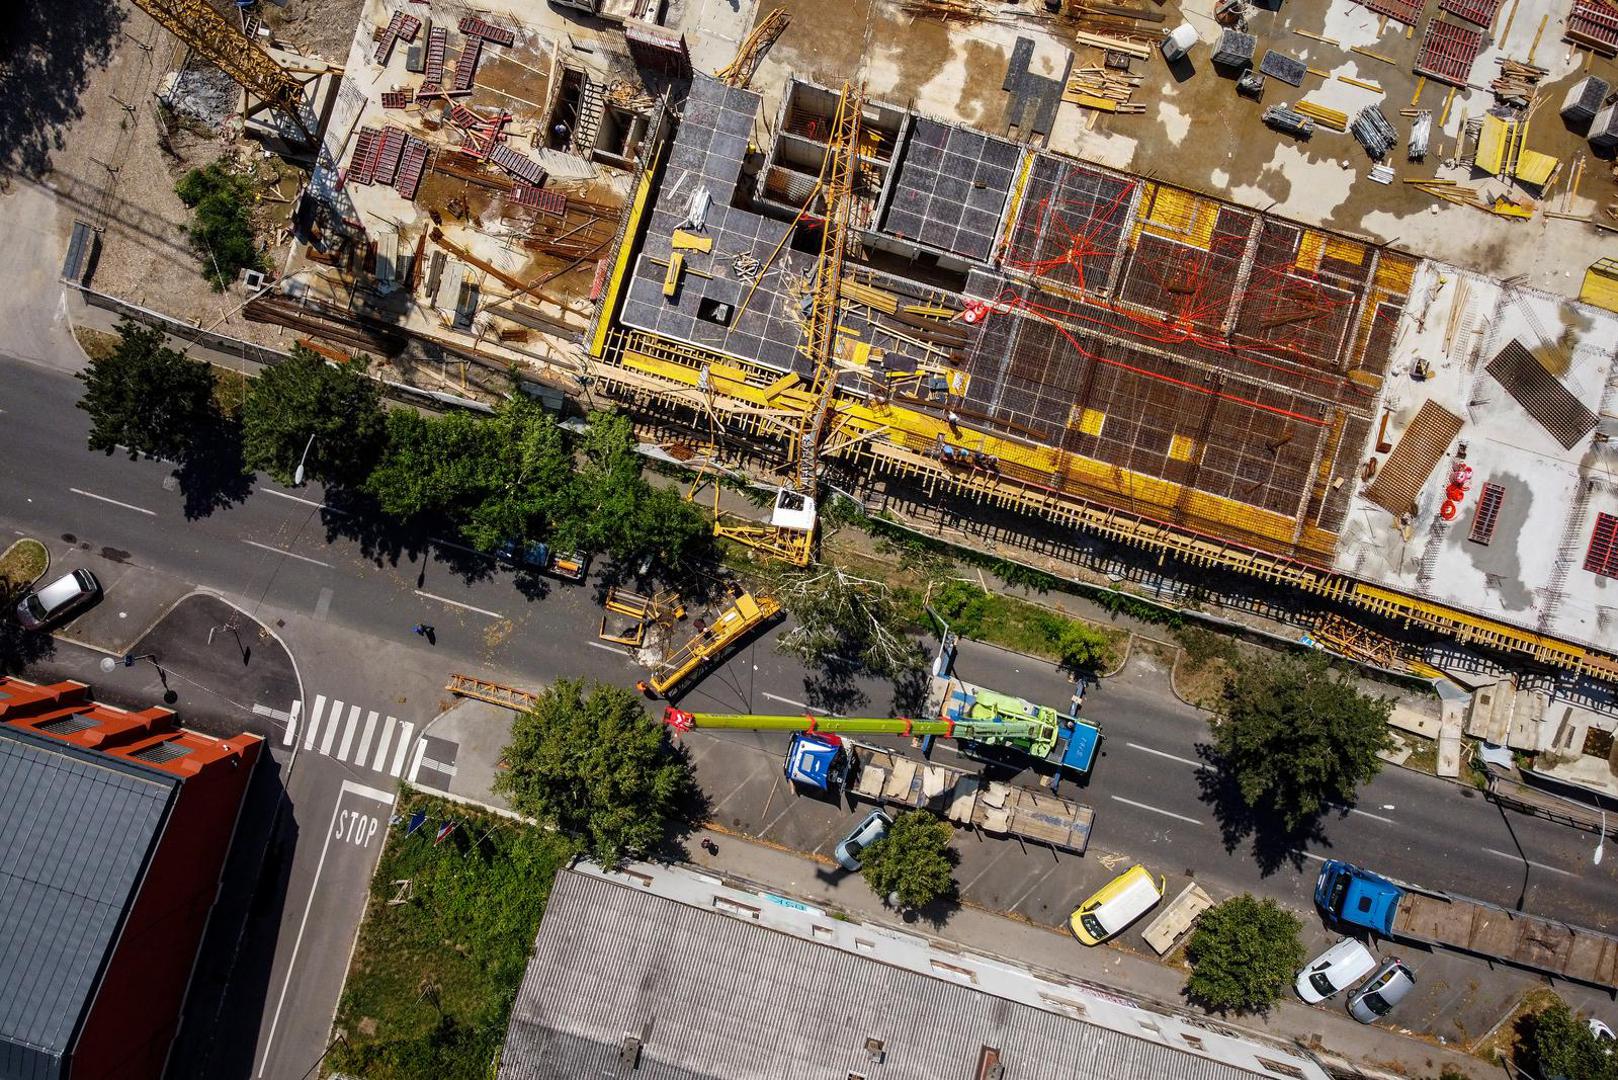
{"x":353,"y":734}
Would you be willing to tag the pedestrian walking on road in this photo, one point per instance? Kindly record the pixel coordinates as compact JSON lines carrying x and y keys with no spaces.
{"x":426,"y":630}
{"x":709,"y":846}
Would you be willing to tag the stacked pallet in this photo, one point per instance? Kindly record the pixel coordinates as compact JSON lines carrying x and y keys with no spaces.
{"x":1517,"y":82}
{"x":1098,"y":88}
{"x":1130,"y":46}
{"x":1335,"y":119}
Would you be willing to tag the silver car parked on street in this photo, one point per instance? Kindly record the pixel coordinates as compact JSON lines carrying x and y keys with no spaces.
{"x":62,"y":597}
{"x":1385,"y":989}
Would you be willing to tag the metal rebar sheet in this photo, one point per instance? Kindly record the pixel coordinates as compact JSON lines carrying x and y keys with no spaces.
{"x":1448,"y":51}
{"x":1405,"y":11}
{"x":1541,"y":394}
{"x":1419,"y":450}
{"x":1481,"y":12}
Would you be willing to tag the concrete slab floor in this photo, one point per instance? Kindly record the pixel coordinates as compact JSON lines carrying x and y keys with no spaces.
{"x":1196,"y":131}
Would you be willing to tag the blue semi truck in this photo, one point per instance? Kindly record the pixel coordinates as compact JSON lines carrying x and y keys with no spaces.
{"x":1355,"y":898}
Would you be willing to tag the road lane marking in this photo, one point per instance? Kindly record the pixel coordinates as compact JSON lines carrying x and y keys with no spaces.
{"x":114,"y":502}
{"x":288,"y":554}
{"x":796,"y":704}
{"x":404,"y":745}
{"x":365,"y":737}
{"x":1155,"y":810}
{"x":291,"y":735}
{"x":314,"y":722}
{"x":1530,"y":862}
{"x":459,"y":547}
{"x":323,"y":604}
{"x":334,"y":720}
{"x":1373,"y":817}
{"x":297,"y":499}
{"x":415,"y":759}
{"x":382,"y":745}
{"x":1309,"y":855}
{"x":349,"y":729}
{"x":1198,"y":765}
{"x":459,"y":604}
{"x":609,"y":648}
{"x":349,"y":787}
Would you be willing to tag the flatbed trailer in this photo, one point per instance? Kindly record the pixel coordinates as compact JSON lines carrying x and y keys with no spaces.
{"x":965,"y":798}
{"x":1357,"y":897}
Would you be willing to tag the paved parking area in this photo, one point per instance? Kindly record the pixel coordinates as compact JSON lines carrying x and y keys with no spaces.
{"x":1458,"y":998}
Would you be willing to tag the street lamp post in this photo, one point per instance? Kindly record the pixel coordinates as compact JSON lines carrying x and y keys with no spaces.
{"x":297,"y":474}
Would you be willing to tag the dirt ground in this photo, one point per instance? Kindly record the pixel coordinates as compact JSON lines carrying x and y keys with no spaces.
{"x":320,"y":28}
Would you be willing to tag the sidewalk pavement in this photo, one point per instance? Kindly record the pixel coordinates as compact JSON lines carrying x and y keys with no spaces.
{"x":1329,"y":1032}
{"x":481,"y":730}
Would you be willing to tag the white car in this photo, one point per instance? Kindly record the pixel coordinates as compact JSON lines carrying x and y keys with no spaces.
{"x":1335,"y":970}
{"x":65,"y":595}
{"x":867,"y":832}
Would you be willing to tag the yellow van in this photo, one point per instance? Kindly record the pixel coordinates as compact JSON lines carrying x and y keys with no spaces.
{"x":1115,"y":905}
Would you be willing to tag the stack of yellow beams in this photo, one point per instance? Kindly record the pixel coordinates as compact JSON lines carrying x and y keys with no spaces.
{"x":1321,"y":114}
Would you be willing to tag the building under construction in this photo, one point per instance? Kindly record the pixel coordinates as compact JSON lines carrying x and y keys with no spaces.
{"x":1100,"y":351}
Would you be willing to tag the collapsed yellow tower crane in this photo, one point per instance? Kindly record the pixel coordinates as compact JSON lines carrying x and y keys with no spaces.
{"x":790,"y":535}
{"x":221,"y":42}
{"x":750,"y":53}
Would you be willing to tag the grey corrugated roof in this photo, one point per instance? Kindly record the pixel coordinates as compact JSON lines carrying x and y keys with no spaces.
{"x":76,"y":830}
{"x":729,"y":1000}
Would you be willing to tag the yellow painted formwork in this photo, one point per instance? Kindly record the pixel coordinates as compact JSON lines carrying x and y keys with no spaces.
{"x":641,"y":366}
{"x":1601,"y":284}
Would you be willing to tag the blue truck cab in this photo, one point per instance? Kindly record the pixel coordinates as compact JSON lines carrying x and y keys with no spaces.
{"x":1356,"y":897}
{"x":816,"y":761}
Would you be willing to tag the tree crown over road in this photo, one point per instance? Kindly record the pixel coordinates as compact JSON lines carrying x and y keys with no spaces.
{"x":309,"y":396}
{"x":1296,"y":736}
{"x":145,"y":397}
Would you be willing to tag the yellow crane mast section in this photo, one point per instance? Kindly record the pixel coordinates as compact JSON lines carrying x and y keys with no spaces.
{"x":216,"y":38}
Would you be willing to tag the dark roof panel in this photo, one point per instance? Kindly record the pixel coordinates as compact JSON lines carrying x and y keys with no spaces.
{"x":720,"y":998}
{"x":79,"y":828}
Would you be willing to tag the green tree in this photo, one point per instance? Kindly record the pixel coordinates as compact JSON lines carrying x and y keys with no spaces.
{"x":221,"y":229}
{"x":845,"y":623}
{"x":501,"y":478}
{"x":308,"y":396}
{"x":1083,"y":647}
{"x":1556,"y":1044}
{"x":146,"y":397}
{"x":612,"y":507}
{"x":914,"y":860}
{"x":1295,"y":735}
{"x":592,"y":763}
{"x":1244,"y":954}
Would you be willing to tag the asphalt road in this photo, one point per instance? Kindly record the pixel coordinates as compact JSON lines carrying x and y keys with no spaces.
{"x":345,"y":611}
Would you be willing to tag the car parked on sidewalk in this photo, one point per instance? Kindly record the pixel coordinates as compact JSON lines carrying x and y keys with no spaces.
{"x":1382,"y":991}
{"x":1115,"y":905}
{"x":1335,"y":970}
{"x":867,"y":832}
{"x":55,"y":602}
